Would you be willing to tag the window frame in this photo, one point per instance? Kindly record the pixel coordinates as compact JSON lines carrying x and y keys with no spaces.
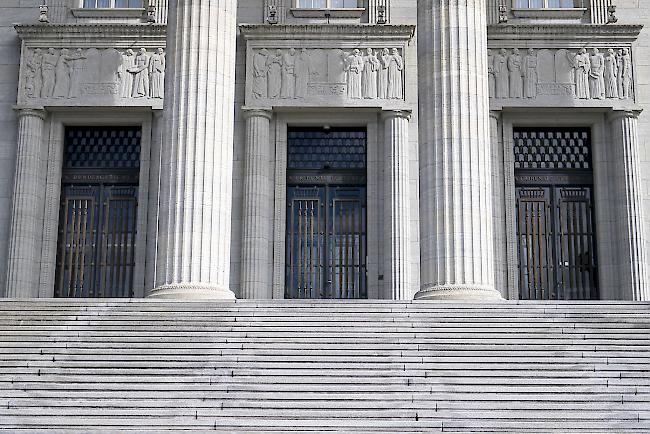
{"x":328,"y":6}
{"x":546,"y":7}
{"x":328,"y":11}
{"x":112,"y":6}
{"x":573,"y":14}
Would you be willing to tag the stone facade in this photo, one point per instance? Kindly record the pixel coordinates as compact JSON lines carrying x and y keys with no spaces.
{"x":439,"y":87}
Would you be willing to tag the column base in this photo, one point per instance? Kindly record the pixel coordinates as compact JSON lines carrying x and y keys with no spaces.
{"x":188,"y":291}
{"x":459,"y":292}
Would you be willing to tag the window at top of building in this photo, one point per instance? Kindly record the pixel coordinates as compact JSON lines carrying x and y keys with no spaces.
{"x":549,"y":4}
{"x":116,"y":4}
{"x":327,"y":4}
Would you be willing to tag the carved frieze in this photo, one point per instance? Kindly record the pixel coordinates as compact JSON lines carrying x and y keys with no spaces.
{"x":286,"y":74}
{"x":585,"y":74}
{"x":549,"y":65}
{"x":92,"y":65}
{"x":71,"y":74}
{"x":338,"y":66}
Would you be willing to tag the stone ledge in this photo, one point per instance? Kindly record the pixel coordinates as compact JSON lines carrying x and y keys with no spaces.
{"x":556,"y":34}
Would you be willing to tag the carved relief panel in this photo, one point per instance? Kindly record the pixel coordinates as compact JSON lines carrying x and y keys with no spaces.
{"x":307,"y":72}
{"x":585,"y":74}
{"x":583,"y":66}
{"x":99,"y":74}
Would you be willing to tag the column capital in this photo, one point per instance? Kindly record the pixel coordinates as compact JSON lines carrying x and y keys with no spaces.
{"x":24,"y":111}
{"x":495,"y":114}
{"x":389,"y":114}
{"x":617,"y":114}
{"x":257,"y":112}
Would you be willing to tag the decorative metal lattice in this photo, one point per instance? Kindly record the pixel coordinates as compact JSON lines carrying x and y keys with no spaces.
{"x":102,"y":148}
{"x":314,"y":149}
{"x":552,"y":148}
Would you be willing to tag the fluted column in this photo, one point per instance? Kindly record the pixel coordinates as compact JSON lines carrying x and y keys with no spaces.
{"x":396,"y":204}
{"x":27,"y":209}
{"x":632,"y":257}
{"x":257,"y":239}
{"x":58,"y":10}
{"x":197,"y":160}
{"x":161,"y":10}
{"x":457,"y":251}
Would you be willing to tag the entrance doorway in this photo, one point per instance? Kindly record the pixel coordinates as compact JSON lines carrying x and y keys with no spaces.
{"x":555,"y":214}
{"x":326,"y":214}
{"x":97,"y":223}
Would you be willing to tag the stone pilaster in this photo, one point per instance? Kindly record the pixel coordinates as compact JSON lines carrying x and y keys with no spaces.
{"x":492,"y":11}
{"x":632,"y":256}
{"x":498,"y":205}
{"x":27,"y":210}
{"x":397,"y":201}
{"x":259,"y":184}
{"x":457,"y":250}
{"x":153,"y":211}
{"x":196,"y":165}
{"x":58,"y":10}
{"x":161,"y":10}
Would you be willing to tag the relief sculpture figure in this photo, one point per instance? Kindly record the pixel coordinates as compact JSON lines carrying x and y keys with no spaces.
{"x":288,"y":88}
{"x":619,"y":65}
{"x":626,"y":73}
{"x":382,"y":82}
{"x":516,"y":74}
{"x":50,"y":59}
{"x":582,"y":66}
{"x":124,"y":74}
{"x":260,"y":72}
{"x":491,"y":79}
{"x":62,"y":73}
{"x":140,"y":73}
{"x":395,"y":82}
{"x":501,"y":74}
{"x":34,"y":74}
{"x":597,"y":75}
{"x":354,"y":68}
{"x":157,"y":74}
{"x":530,"y":74}
{"x":77,"y":65}
{"x":274,"y":66}
{"x":369,"y":78}
{"x":611,"y":74}
{"x":303,"y":71}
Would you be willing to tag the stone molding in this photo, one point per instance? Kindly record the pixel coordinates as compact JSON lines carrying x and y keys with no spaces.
{"x":389,"y":114}
{"x":257,"y":112}
{"x":69,"y":33}
{"x":559,"y":34}
{"x":326,"y":31}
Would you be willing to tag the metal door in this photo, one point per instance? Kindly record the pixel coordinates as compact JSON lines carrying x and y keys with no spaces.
{"x":326,"y":242}
{"x":97,"y":229}
{"x":557,"y":257}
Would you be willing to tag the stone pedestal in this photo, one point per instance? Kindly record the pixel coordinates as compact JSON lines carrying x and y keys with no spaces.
{"x":457,"y":251}
{"x":27,"y":210}
{"x":197,"y":156}
{"x":397,"y":202}
{"x":628,"y":208}
{"x":257,"y":239}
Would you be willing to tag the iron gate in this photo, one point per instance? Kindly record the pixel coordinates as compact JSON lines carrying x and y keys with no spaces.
{"x":326,"y":214}
{"x":326,"y":242}
{"x":555,"y":224}
{"x":97,"y":219}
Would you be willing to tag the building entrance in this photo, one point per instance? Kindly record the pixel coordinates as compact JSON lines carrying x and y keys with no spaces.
{"x":326,"y":214}
{"x":555,"y":215}
{"x":97,"y":223}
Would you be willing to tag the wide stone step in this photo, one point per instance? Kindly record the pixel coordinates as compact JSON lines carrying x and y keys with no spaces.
{"x":312,"y":366}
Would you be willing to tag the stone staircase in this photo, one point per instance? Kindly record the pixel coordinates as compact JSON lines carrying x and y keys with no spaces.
{"x":278,"y":366}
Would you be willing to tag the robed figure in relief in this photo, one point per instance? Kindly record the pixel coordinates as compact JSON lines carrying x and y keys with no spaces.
{"x":582,"y":66}
{"x":274,"y":67}
{"x":395,"y":81}
{"x":501,"y":74}
{"x":303,"y":70}
{"x":382,"y":81}
{"x":516,"y":74}
{"x":354,"y":68}
{"x":611,"y":74}
{"x":597,"y":75}
{"x":157,"y":74}
{"x":369,"y":79}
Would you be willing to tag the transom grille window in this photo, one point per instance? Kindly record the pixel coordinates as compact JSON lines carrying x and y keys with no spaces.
{"x":328,"y":4}
{"x":314,"y":149}
{"x":117,"y":4}
{"x":549,"y":4}
{"x":552,"y":149}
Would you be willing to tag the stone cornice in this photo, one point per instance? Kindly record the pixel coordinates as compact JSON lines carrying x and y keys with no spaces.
{"x":91,"y":31}
{"x":327,"y":31}
{"x":564,"y":32}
